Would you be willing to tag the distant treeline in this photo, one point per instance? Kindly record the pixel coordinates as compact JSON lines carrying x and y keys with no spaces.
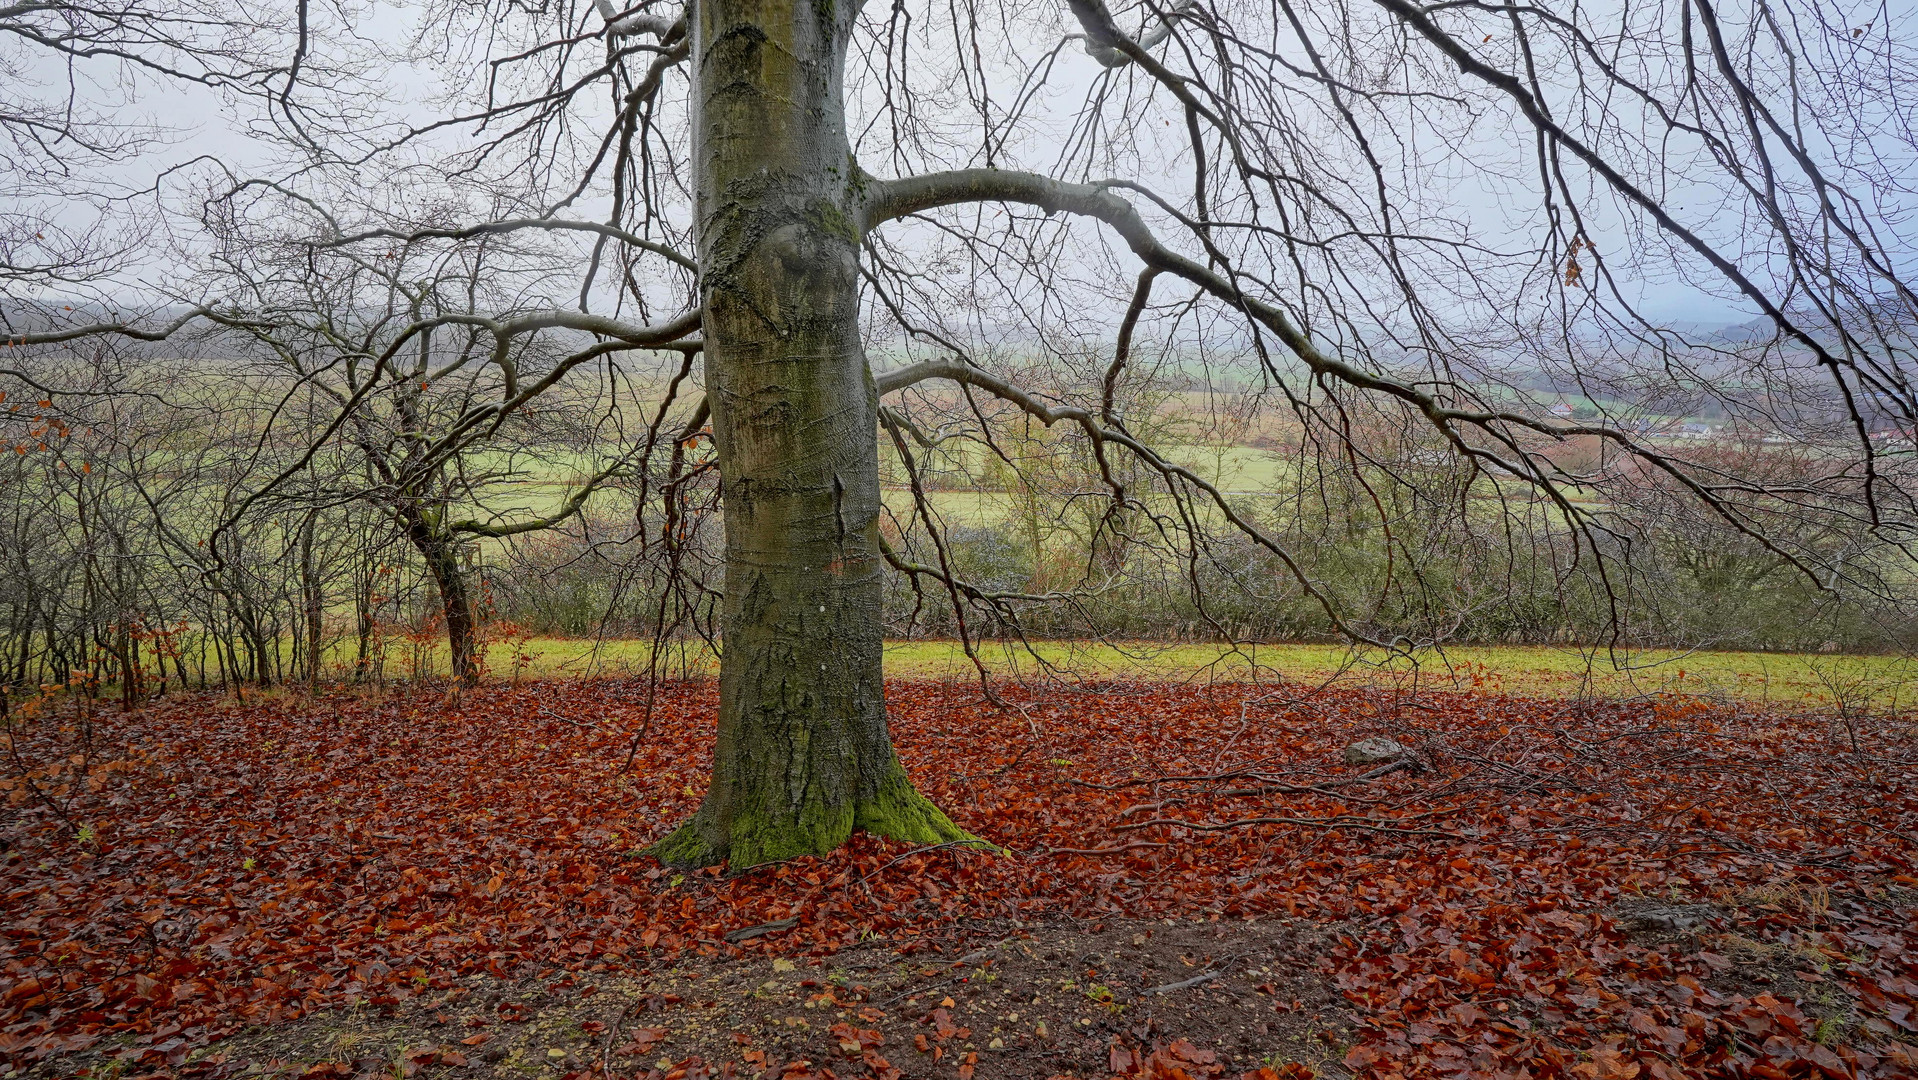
{"x":153,"y":538}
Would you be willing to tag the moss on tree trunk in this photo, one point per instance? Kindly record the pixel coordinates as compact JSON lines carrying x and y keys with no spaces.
{"x":803,"y":756}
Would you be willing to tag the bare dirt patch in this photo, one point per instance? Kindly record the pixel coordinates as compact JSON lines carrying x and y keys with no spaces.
{"x":992,"y":1000}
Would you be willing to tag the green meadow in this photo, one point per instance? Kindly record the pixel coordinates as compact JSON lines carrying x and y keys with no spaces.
{"x":1813,"y":680}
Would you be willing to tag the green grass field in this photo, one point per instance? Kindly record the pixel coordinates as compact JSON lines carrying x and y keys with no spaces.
{"x":1878,"y":683}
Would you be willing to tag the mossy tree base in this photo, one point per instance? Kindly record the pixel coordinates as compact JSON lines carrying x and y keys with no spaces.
{"x":896,"y":811}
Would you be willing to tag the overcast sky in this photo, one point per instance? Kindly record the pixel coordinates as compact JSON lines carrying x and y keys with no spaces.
{"x":203,"y":124}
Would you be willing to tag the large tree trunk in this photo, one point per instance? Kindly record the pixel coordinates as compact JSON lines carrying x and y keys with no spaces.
{"x":803,"y":756}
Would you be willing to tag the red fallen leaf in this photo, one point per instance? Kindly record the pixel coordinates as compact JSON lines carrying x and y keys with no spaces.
{"x":1823,"y":1057}
{"x":1120,"y":1060}
{"x":854,"y":1040}
{"x":452,"y":1059}
{"x":1465,"y":1014}
{"x":919,"y":1042}
{"x":1360,"y":1056}
{"x":592,"y":1027}
{"x":1185,"y":1051}
{"x":475,"y":1040}
{"x":172,"y":1051}
{"x":942,"y":1026}
{"x":1607,"y":1064}
{"x":642,"y":1040}
{"x":966,"y":1067}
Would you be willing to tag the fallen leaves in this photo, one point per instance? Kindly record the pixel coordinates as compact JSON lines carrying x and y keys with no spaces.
{"x":643,"y":1041}
{"x":1178,"y":1059}
{"x":248,"y":865}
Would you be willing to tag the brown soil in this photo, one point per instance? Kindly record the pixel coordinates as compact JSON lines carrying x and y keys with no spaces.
{"x":1031,"y":1002}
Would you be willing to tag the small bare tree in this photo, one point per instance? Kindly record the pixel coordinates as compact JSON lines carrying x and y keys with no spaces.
{"x":398,"y":396}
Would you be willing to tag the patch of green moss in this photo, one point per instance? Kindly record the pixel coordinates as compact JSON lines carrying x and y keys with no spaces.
{"x":896,"y":811}
{"x":827,"y":217}
{"x":686,"y":848}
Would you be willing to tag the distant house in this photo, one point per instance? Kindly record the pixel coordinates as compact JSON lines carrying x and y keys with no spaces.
{"x":1895,"y":440}
{"x":1694,"y":431}
{"x":1562,"y":410}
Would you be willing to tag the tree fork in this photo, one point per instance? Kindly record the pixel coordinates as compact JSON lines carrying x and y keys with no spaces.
{"x":803,"y":756}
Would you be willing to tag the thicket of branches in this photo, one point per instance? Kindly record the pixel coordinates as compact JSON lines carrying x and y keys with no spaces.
{"x":139,"y":553}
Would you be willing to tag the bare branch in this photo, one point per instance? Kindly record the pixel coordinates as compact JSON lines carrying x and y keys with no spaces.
{"x":493,"y":228}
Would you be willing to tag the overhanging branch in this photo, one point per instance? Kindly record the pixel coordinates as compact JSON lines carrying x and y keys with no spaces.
{"x":1106,"y":43}
{"x":1048,"y":415}
{"x":410,"y":236}
{"x":892,"y":199}
{"x":636,"y":22}
{"x":119,"y":329}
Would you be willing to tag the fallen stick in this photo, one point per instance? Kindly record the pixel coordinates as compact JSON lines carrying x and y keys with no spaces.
{"x":1182,"y":985}
{"x":1368,"y":824}
{"x":1105,"y":850}
{"x":750,"y":932}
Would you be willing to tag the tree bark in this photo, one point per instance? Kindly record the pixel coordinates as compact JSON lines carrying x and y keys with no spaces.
{"x":313,"y":603}
{"x":803,"y":755}
{"x":364,"y":622}
{"x":456,"y":600}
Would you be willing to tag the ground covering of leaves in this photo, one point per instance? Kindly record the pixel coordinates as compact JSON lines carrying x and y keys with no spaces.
{"x":1655,"y":888}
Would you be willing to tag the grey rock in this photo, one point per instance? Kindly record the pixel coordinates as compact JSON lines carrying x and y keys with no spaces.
{"x":1375,"y":751}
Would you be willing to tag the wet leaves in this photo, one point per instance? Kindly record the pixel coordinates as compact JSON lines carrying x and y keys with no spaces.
{"x":1510,"y":908}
